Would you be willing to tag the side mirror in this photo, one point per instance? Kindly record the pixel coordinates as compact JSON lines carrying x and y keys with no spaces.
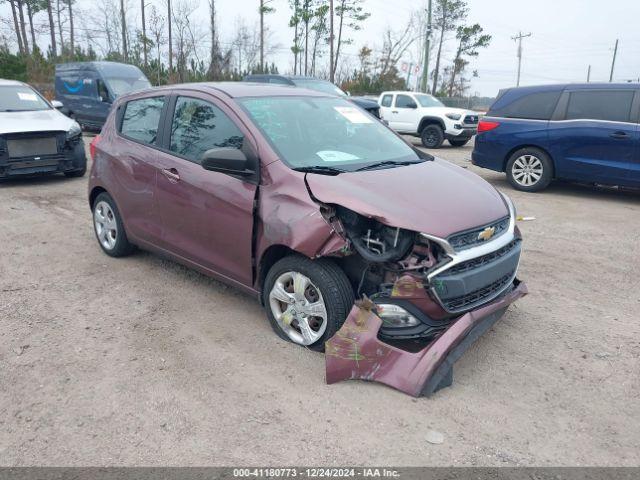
{"x":57,"y":104}
{"x":412,"y":105}
{"x":104,"y":99}
{"x":226,"y":160}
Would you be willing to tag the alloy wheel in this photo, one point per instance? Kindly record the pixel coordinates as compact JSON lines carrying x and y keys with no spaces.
{"x":298,"y":307}
{"x":106,"y":226}
{"x":527,"y":170}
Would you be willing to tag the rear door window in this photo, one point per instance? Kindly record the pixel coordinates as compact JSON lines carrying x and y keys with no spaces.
{"x":612,"y":105}
{"x":386,"y":100}
{"x":141,"y":119}
{"x":198,"y":126}
{"x":534,"y":106}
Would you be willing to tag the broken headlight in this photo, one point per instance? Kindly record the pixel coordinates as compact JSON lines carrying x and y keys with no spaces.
{"x":395,"y":316}
{"x":375,"y":242}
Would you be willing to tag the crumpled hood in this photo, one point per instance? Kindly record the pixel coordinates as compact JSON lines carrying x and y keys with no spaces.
{"x":434,"y":197}
{"x":42,"y":120}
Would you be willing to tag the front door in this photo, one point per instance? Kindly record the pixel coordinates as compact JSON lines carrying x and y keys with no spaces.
{"x":207,"y":217}
{"x":405,"y":114}
{"x":597,"y":140}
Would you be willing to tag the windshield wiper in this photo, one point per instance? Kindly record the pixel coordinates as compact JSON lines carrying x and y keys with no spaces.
{"x":386,"y":163}
{"x":322,"y":169}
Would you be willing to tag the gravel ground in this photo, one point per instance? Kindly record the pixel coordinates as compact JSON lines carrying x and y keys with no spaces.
{"x":139,"y":361}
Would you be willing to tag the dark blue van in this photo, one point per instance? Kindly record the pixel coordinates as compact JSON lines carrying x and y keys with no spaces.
{"x":581,"y":132}
{"x":87,"y":89}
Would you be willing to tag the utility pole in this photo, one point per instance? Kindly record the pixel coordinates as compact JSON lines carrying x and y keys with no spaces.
{"x":124,"y":32}
{"x":427,"y":46}
{"x":331,"y":72}
{"x":169,"y":15}
{"x":613,"y":63}
{"x":261,"y":36}
{"x":589,"y":74}
{"x":519,"y":38}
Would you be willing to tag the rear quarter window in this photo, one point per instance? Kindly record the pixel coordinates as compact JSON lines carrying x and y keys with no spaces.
{"x":141,"y":119}
{"x":534,"y":106}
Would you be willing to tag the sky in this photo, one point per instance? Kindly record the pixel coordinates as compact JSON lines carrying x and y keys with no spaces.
{"x":566,"y":36}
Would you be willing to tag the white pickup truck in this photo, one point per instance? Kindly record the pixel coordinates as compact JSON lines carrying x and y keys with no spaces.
{"x":425,"y":116}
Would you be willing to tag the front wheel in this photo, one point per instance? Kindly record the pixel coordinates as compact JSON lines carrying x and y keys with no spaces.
{"x":459,"y":142}
{"x":432,"y":136}
{"x":529,"y":170}
{"x":307,"y":301}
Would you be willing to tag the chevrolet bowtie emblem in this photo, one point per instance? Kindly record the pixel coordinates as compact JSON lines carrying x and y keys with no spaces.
{"x":487,"y":233}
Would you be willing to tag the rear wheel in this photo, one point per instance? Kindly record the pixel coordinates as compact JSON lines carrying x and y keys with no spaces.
{"x":307,"y":301}
{"x":432,"y":136}
{"x":459,"y":142}
{"x":109,"y":228}
{"x":529,"y":170}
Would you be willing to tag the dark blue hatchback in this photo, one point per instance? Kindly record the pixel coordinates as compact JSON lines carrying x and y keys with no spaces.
{"x":582,"y":132}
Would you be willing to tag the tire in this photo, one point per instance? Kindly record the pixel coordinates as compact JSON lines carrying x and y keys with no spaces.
{"x":76,"y":173}
{"x":327,"y":285}
{"x":110,"y":232}
{"x":529,"y":170}
{"x":459,"y":143}
{"x":432,"y":136}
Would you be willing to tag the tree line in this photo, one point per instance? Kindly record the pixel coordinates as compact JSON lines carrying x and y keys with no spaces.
{"x":171,"y":42}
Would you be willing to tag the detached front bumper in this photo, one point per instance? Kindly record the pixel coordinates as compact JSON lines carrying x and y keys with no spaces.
{"x":356,"y":352}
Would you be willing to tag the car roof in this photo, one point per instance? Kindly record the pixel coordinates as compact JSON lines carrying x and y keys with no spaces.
{"x":4,"y":82}
{"x":395,"y":92}
{"x":242,"y":89}
{"x":563,"y":86}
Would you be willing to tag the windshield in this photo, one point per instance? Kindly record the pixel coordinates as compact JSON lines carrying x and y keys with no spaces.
{"x":21,"y":98}
{"x":121,"y":85}
{"x":428,"y":100}
{"x":325,"y":132}
{"x":319,"y":86}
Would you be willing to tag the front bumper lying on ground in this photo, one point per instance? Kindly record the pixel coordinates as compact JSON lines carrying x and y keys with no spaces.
{"x":356,"y":352}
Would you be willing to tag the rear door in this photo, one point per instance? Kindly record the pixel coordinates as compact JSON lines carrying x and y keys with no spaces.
{"x":134,"y":157}
{"x":207,"y":217}
{"x":386,"y":102}
{"x":404,"y":115}
{"x":595,"y":138}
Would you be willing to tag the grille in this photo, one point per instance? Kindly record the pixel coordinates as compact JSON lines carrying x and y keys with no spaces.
{"x":469,"y":238}
{"x":471,"y":119}
{"x":484,"y":260}
{"x":476,"y":297}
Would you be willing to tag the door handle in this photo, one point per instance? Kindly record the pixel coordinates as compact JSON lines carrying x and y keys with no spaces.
{"x":619,"y":135}
{"x":171,"y":174}
{"x":394,"y":111}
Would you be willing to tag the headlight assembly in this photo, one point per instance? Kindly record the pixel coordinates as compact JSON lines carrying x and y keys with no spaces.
{"x":453,"y":116}
{"x":74,"y":132}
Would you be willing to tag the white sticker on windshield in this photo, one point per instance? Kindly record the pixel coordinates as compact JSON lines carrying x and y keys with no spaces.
{"x":353,"y":114}
{"x":31,"y":97}
{"x":336,"y":156}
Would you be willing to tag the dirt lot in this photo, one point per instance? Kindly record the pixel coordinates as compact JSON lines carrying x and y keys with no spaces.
{"x":139,"y":361}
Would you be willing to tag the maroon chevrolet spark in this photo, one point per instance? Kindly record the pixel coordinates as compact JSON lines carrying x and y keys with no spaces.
{"x":307,"y":202}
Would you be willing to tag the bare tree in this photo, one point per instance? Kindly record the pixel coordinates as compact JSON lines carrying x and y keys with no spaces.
{"x":169,"y":17}
{"x":156,"y":26}
{"x":394,"y":46}
{"x":52,"y":29}
{"x":16,"y":26}
{"x":214,"y":53}
{"x":23,"y":30}
{"x":59,"y":17}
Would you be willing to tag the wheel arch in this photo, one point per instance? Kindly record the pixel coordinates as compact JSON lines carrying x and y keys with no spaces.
{"x":427,"y":120}
{"x":94,"y":194}
{"x":269,"y":257}
{"x":537,"y":147}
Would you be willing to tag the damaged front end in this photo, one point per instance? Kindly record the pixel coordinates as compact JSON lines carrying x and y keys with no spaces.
{"x":425,"y":299}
